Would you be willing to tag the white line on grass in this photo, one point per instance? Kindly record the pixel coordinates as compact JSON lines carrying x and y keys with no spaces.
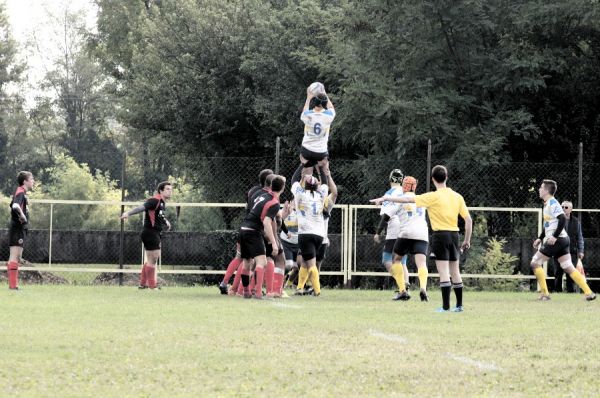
{"x":284,"y":305}
{"x":388,"y":337}
{"x":478,"y":364}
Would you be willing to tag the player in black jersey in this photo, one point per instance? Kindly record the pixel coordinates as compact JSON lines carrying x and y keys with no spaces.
{"x":19,"y":218}
{"x":257,"y":224}
{"x":154,"y":223}
{"x":236,"y":264}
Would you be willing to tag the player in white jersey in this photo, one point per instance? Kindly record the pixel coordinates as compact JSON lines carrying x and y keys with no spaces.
{"x":309,"y":197}
{"x":554,"y":242}
{"x":317,"y":115}
{"x":289,"y":240}
{"x":389,"y":220}
{"x":413,"y":237}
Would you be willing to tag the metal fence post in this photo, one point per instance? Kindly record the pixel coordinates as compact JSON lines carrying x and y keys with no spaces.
{"x":122,"y":232}
{"x":277,"y":154}
{"x":50,"y":234}
{"x":428,"y":165}
{"x":580,"y":180}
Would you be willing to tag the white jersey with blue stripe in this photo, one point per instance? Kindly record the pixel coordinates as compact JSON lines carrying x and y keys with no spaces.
{"x":552,"y":210}
{"x":316,"y":129}
{"x":413,"y":224}
{"x":291,"y":223}
{"x":391,"y":209}
{"x":309,"y":209}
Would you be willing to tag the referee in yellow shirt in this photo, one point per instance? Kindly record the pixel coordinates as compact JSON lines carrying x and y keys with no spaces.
{"x":444,"y":206}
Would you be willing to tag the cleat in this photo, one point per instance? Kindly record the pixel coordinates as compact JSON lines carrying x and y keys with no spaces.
{"x":230,"y":291}
{"x":284,"y":295}
{"x":440,"y":310}
{"x":590,"y":297}
{"x":544,"y":297}
{"x":142,"y":287}
{"x":423,"y":295}
{"x":458,"y":309}
{"x":299,"y":292}
{"x":309,"y":291}
{"x":223,"y":288}
{"x":13,"y":288}
{"x":271,"y":296}
{"x":402,"y":296}
{"x":247,"y":295}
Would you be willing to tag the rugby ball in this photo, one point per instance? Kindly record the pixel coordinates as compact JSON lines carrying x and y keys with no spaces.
{"x":316,"y":88}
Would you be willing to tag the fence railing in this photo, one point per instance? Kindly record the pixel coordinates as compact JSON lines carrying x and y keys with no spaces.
{"x":87,"y":236}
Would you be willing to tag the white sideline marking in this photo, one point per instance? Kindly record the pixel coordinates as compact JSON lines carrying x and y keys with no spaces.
{"x":284,"y":305}
{"x":479,"y":365}
{"x":388,"y":337}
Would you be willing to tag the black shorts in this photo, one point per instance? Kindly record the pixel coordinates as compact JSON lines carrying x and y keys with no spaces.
{"x":16,"y":235}
{"x":290,"y":250}
{"x":252,"y":244}
{"x":312,"y":158}
{"x":410,"y":246}
{"x":444,"y":245}
{"x":388,"y":246}
{"x":558,"y":249}
{"x":309,"y":244}
{"x":151,"y":239}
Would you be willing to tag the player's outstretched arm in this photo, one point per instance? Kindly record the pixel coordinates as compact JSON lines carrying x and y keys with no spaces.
{"x":132,"y":212}
{"x":396,"y":199}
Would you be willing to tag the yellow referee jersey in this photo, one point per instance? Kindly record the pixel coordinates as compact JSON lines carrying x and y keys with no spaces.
{"x":444,"y":206}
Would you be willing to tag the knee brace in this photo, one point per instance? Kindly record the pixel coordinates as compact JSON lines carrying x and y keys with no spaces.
{"x":537,"y":260}
{"x":566,"y":265}
{"x":386,"y":258}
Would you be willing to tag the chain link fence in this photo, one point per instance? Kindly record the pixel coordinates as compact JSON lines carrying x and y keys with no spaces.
{"x":203,"y":238}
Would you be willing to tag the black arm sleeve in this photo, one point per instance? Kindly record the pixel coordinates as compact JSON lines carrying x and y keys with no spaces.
{"x":284,"y":227}
{"x":542,"y":235}
{"x":384,"y":219}
{"x":562,"y":219}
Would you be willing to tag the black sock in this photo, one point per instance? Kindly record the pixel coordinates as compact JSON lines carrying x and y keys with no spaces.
{"x":458,"y":291}
{"x":298,"y":173}
{"x":245,"y":280}
{"x":446,"y":288}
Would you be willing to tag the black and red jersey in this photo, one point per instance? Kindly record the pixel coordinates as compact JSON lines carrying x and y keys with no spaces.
{"x":20,"y":198}
{"x":264,"y":204}
{"x":155,"y":213}
{"x":250,"y":196}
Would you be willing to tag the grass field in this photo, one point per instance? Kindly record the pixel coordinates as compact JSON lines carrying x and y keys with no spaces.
{"x":109,"y":341}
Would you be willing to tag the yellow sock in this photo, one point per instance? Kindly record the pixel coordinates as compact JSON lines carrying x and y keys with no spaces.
{"x":541,"y":278}
{"x":423,"y":274}
{"x":580,"y":280}
{"x":398,"y":274}
{"x":302,"y":277}
{"x":313,"y":274}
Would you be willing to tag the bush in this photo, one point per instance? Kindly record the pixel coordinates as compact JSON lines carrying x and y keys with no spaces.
{"x":492,"y":260}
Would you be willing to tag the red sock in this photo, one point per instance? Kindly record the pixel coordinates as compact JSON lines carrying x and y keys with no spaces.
{"x":278,"y":280}
{"x":259,"y":276}
{"x":151,"y":276}
{"x":269,"y":275}
{"x":238,"y":276}
{"x":143,"y":276}
{"x":13,"y":274}
{"x":231,"y":268}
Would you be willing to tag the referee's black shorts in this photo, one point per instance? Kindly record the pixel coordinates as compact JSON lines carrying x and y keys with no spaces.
{"x":558,"y":249}
{"x":309,"y":244}
{"x":150,"y":239}
{"x":405,"y":246}
{"x":17,"y":234}
{"x":252,"y":244}
{"x":444,"y":245}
